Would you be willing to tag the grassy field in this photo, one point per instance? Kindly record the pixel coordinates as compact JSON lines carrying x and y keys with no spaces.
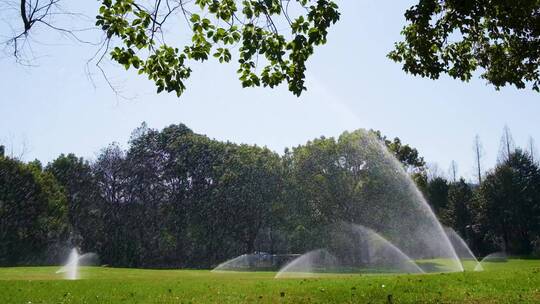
{"x":515,"y":281}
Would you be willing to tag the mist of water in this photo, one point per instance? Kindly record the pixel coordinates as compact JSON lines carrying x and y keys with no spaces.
{"x":391,"y":226}
{"x":381,"y":256}
{"x":492,"y":257}
{"x":255,"y":261}
{"x":392,"y":205}
{"x":71,"y":269}
{"x":311,"y":264}
{"x":378,"y":193}
{"x":243,"y":262}
{"x":462,"y":249}
{"x":351,"y":248}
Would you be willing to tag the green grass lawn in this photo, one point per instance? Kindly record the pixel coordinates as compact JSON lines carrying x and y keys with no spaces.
{"x":515,"y":281}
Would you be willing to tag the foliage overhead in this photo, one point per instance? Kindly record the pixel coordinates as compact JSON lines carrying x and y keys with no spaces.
{"x":500,"y":38}
{"x":272,"y":40}
{"x":266,"y":55}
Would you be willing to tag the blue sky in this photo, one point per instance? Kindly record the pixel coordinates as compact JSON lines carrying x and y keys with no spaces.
{"x":53,"y":108}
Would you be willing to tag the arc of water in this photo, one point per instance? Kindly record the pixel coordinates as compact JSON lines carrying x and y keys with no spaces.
{"x":391,"y":256}
{"x":237,"y":263}
{"x":461,"y":247}
{"x":304,"y":265}
{"x":412,"y":186}
{"x":71,"y":267}
{"x":374,"y":237}
{"x":453,"y":253}
{"x":75,"y":260}
{"x":491,"y":257}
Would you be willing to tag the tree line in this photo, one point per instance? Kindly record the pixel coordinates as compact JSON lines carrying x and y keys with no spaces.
{"x":501,"y":211}
{"x":175,"y":198}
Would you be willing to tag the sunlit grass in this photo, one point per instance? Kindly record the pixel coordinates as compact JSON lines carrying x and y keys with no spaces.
{"x":502,"y":282}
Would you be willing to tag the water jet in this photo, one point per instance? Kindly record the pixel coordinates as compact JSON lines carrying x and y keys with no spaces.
{"x":70,"y":270}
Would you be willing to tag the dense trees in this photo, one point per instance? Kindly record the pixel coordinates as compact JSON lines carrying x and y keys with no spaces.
{"x":32,"y":214}
{"x":175,"y":198}
{"x":84,"y":210}
{"x":510,"y":198}
{"x":436,"y":192}
{"x":460,"y":204}
{"x":502,"y":213}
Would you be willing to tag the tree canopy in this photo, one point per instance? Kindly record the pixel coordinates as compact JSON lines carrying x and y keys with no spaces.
{"x":251,"y":24}
{"x":272,"y":40}
{"x":499,"y":38}
{"x":32,"y":213}
{"x":175,"y":198}
{"x":510,"y":196}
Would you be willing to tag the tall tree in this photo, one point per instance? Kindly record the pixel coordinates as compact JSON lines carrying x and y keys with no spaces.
{"x":121,"y":240}
{"x":250,"y":185}
{"x":532,"y":149}
{"x":507,"y":145}
{"x":85,"y":205}
{"x":453,"y":170}
{"x":33,"y":222}
{"x":511,"y":196}
{"x":478,"y":153}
